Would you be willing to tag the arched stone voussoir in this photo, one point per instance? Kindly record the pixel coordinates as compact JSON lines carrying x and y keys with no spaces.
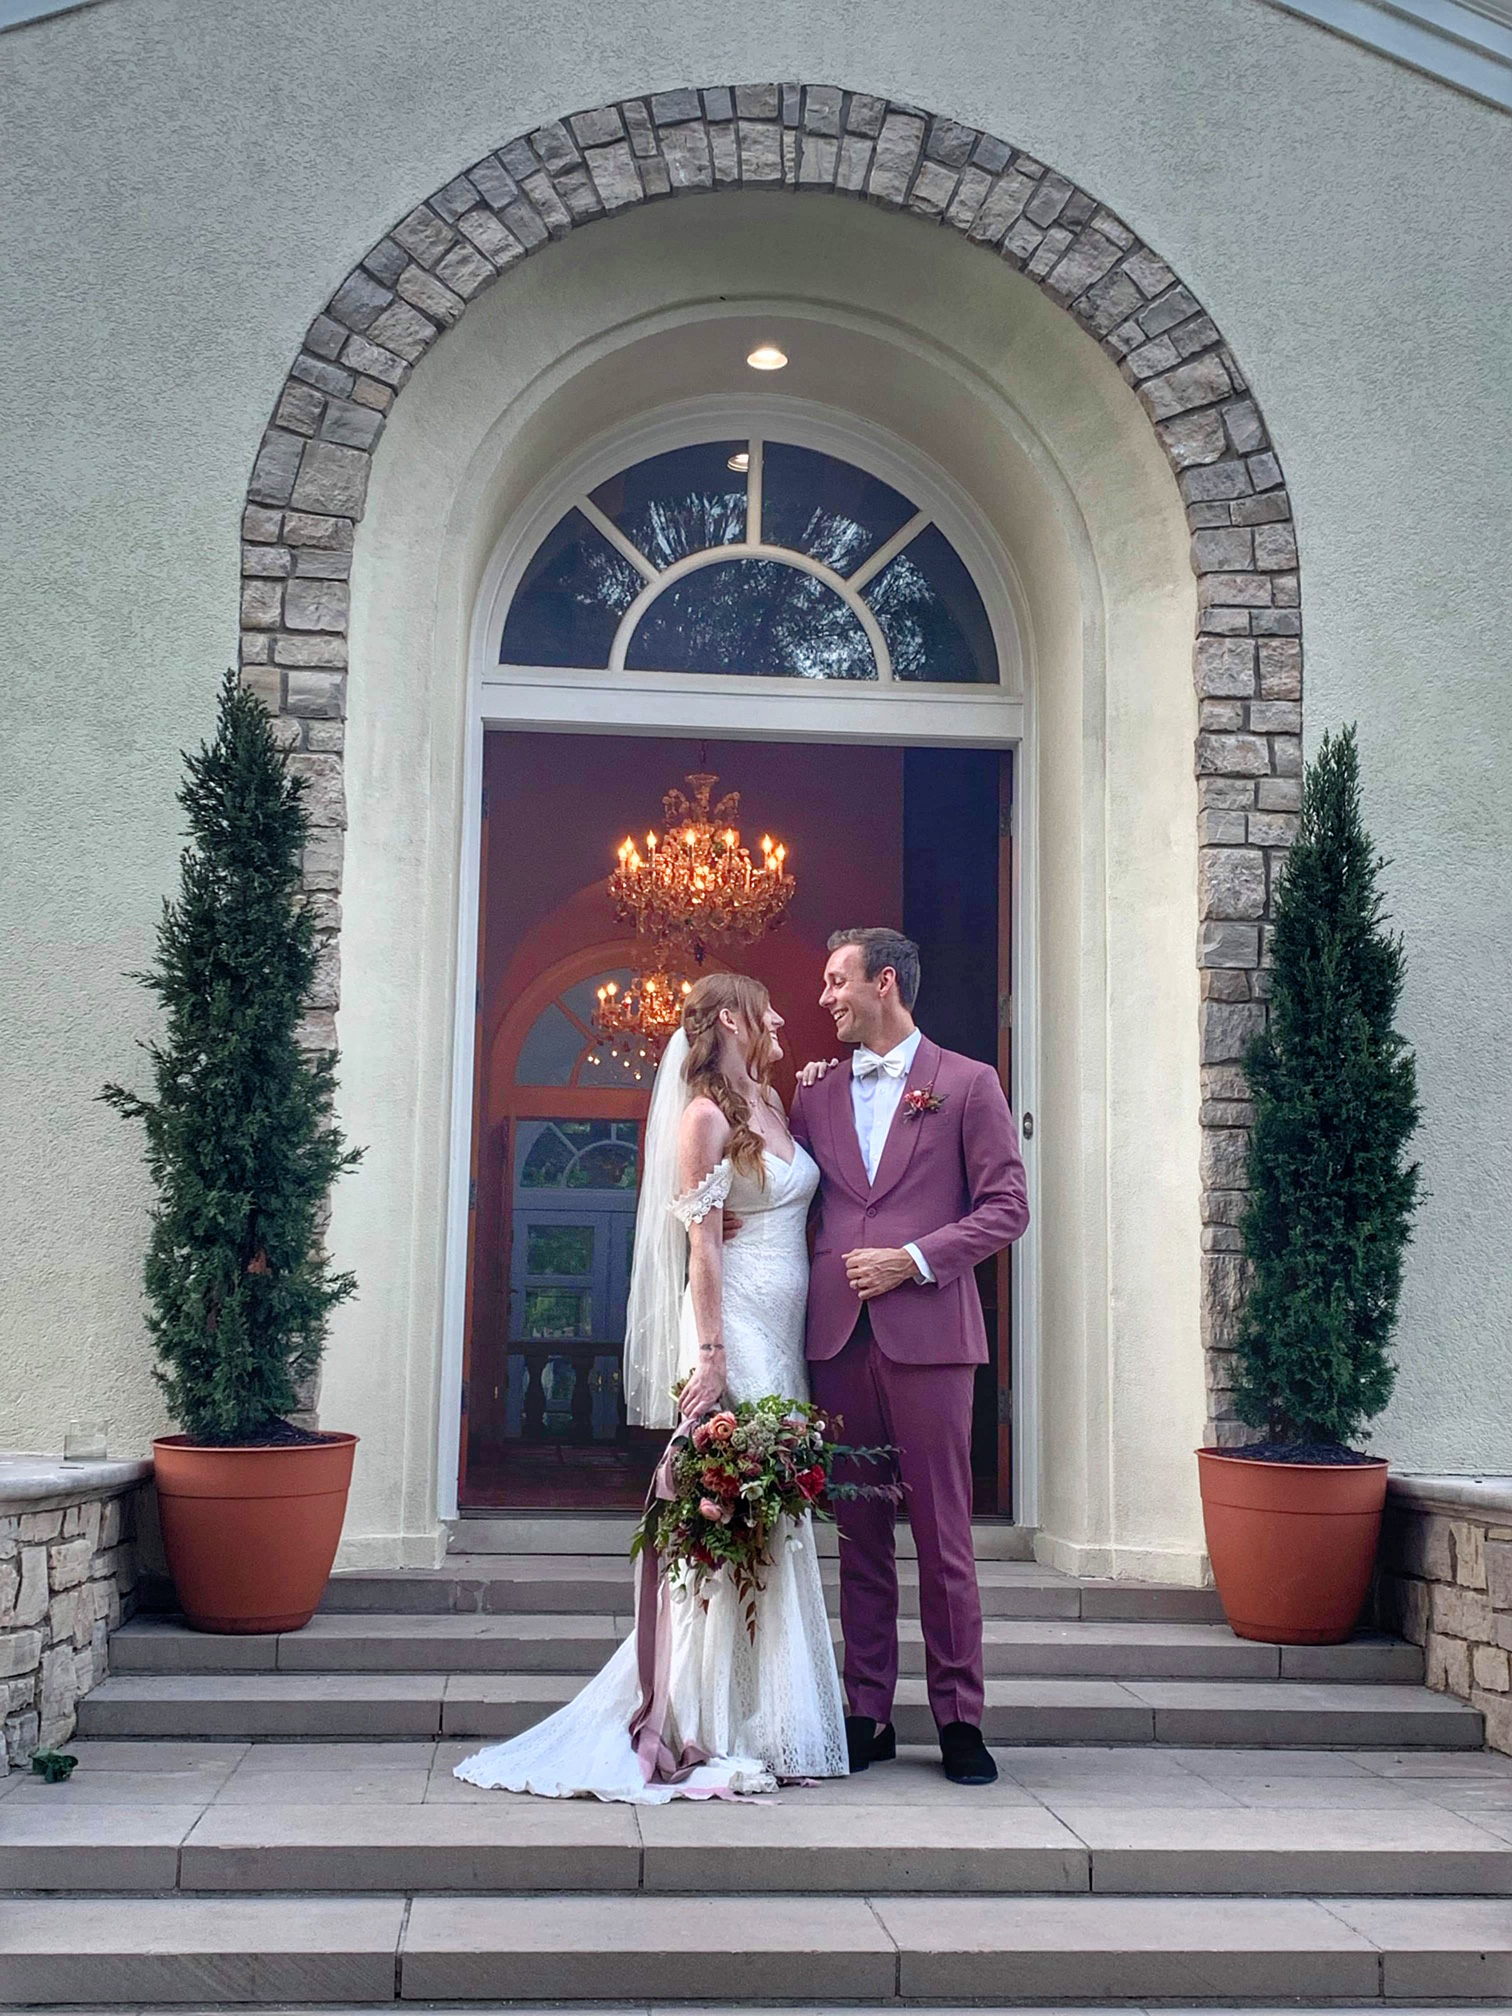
{"x":309,"y":483}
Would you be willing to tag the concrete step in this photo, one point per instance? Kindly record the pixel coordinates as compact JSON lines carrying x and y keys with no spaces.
{"x":618,"y":1949}
{"x":822,"y":1843}
{"x":1272,"y":1713}
{"x":578,"y":1643}
{"x":598,"y":1533}
{"x":504,"y":1584}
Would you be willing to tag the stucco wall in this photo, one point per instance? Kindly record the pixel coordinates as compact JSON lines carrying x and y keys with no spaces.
{"x":186,"y":184}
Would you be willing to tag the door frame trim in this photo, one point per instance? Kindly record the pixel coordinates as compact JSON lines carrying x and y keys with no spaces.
{"x":692,"y":706}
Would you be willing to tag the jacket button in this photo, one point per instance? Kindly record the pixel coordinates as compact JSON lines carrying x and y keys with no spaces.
{"x":871,"y":1210}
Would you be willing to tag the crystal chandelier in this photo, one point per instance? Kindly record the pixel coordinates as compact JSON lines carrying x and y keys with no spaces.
{"x":636,"y":1020}
{"x":695,"y":883}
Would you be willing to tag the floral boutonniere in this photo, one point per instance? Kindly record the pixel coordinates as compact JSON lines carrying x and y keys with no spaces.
{"x":925,"y":1100}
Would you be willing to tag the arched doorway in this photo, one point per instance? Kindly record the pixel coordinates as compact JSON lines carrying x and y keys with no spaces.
{"x":309,"y":486}
{"x":981,"y":377}
{"x":730,"y":551}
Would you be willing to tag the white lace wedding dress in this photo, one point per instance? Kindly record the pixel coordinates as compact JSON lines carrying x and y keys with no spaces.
{"x":761,"y":1711}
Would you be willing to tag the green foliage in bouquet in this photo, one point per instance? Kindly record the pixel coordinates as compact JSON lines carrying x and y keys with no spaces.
{"x":241,"y":1144}
{"x":1331,"y":1194}
{"x":734,"y":1475}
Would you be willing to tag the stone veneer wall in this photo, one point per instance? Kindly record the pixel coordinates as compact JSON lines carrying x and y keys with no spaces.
{"x":67,"y":1578}
{"x":1445,"y":1582}
{"x":309,"y":486}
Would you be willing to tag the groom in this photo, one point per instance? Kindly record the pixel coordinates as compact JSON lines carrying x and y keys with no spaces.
{"x":921,"y":1180}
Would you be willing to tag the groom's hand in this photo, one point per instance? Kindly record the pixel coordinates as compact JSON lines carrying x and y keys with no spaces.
{"x":874,"y":1270}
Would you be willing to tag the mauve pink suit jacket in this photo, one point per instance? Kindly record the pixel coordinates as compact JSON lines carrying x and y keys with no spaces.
{"x":951,"y":1182}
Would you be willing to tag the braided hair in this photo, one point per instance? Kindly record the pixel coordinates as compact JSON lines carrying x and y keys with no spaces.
{"x":748,"y":1002}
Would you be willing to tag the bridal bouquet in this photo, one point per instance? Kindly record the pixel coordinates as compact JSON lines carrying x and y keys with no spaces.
{"x":729,"y":1478}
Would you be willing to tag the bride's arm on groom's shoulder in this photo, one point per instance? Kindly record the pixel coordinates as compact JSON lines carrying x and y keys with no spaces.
{"x":808,"y":1077}
{"x":702,"y":1140}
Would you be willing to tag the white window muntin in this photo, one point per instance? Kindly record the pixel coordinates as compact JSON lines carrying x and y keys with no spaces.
{"x":796,"y":423}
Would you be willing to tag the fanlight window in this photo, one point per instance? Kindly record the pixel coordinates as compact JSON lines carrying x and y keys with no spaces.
{"x":560,"y":1047}
{"x":758,"y":559}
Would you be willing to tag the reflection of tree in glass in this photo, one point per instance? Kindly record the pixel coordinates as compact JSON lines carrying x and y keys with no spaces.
{"x":835,"y":539}
{"x":581,"y":1155}
{"x":606,"y":1167}
{"x":667,"y":529}
{"x":909,"y":612}
{"x":760,"y":618}
{"x":556,"y":1312}
{"x":610,"y":583}
{"x":559,"y":1249}
{"x":932,"y":615}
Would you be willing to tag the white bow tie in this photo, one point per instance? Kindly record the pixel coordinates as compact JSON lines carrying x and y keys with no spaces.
{"x":867,"y":1064}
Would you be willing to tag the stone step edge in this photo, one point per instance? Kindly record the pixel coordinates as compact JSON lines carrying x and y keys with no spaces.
{"x":464,"y":1587}
{"x":483,"y":1532}
{"x":576,"y":1642}
{"x":606,"y":1952}
{"x":483,"y":1706}
{"x":158,"y":1852}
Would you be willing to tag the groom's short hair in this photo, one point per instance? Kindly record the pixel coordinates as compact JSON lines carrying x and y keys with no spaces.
{"x":880,"y":947}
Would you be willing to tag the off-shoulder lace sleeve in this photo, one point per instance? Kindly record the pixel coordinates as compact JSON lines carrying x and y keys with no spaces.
{"x":696,"y":1204}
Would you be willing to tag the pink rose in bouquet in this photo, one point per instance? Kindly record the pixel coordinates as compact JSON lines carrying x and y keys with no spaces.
{"x":737,"y":1478}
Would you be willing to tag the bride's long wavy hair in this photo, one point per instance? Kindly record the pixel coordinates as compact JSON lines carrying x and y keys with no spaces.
{"x":748,"y":1001}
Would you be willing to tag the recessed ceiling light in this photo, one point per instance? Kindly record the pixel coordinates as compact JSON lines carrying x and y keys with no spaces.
{"x":740,"y":461}
{"x":767,"y":357}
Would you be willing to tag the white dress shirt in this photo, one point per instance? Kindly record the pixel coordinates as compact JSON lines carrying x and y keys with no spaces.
{"x":877,"y":1085}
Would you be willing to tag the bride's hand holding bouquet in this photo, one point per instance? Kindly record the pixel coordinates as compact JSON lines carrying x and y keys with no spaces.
{"x":730,"y":1475}
{"x":703,"y":1389}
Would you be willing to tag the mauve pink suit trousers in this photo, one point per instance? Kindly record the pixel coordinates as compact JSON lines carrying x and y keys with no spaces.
{"x":902,"y":1368}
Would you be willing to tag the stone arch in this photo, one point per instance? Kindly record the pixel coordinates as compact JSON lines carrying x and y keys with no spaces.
{"x":309,"y":483}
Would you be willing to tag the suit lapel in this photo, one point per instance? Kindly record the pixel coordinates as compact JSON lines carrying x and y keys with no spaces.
{"x":845,"y":1147}
{"x":903,"y":1134}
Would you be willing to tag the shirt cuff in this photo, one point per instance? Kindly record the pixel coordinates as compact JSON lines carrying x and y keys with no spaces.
{"x":919,"y":1261}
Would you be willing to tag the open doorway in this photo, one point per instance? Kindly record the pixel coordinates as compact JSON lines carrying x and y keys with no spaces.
{"x":915,"y":838}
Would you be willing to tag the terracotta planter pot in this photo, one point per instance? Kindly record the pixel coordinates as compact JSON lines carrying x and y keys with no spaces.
{"x":250,"y":1534}
{"x":1292,"y":1544}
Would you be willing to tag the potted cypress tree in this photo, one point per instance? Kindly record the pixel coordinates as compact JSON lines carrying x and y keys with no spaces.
{"x":1293,"y":1519}
{"x":242,"y":1149}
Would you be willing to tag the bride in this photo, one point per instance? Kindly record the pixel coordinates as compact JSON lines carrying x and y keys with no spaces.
{"x":739,"y":1714}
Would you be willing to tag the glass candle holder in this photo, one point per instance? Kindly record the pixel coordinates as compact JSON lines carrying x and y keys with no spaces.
{"x":84,"y":1442}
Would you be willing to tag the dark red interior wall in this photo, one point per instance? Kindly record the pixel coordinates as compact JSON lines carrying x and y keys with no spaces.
{"x":560,"y":804}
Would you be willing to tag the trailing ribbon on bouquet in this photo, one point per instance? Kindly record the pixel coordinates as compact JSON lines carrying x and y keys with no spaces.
{"x":660,"y":1764}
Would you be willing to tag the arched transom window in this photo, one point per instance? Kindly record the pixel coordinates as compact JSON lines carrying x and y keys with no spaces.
{"x":753,"y":558}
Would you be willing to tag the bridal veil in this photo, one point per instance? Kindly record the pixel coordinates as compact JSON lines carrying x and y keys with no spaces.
{"x":659,"y":1265}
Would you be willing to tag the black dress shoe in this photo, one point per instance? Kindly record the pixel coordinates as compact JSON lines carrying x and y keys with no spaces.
{"x":865,"y":1743}
{"x":966,"y":1758}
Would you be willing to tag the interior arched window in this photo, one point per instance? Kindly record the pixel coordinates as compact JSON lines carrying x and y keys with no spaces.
{"x":561,"y":1048}
{"x":756,"y":559}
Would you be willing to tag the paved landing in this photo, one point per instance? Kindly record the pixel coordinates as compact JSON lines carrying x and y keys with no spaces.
{"x":366,"y":1817}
